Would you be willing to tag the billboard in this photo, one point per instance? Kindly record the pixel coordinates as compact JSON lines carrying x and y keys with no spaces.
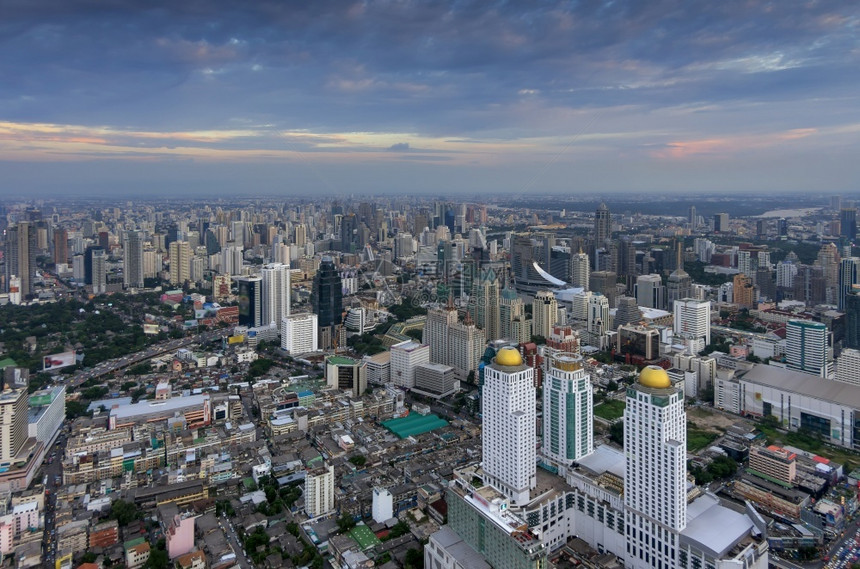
{"x":150,"y":328}
{"x":57,"y":361}
{"x":236,"y":339}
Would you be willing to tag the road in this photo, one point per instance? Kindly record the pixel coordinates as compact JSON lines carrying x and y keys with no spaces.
{"x":52,"y":470}
{"x":233,"y":540}
{"x":110,"y":366}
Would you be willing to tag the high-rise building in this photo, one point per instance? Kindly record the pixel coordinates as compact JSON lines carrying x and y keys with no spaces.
{"x":849,"y":275}
{"x":250,"y":297}
{"x":21,"y":256}
{"x":568,"y":417}
{"x":743,"y":291}
{"x":721,"y":223}
{"x":692,"y":217}
{"x":649,"y":291}
{"x":319,"y":491}
{"x":848,"y":366}
{"x":511,"y":311}
{"x":327,"y":295}
{"x":785,"y":273}
{"x":544,"y":313}
{"x":405,"y":357}
{"x":605,"y":282}
{"x":180,"y":262}
{"x":436,"y":332}
{"x":680,"y":284}
{"x":692,"y":323}
{"x":508,"y":435}
{"x":435,"y":380}
{"x":807,"y":348}
{"x":276,"y":292}
{"x":299,"y":333}
{"x":346,"y":374}
{"x":13,"y":421}
{"x":597,"y":323}
{"x":466,"y":343}
{"x":852,"y":320}
{"x":61,"y":246}
{"x":132,"y":260}
{"x":627,"y":312}
{"x":655,"y":477}
{"x":828,"y":259}
{"x":99,"y":270}
{"x":580,"y":270}
{"x":602,"y":224}
{"x":848,"y":222}
{"x":484,"y":303}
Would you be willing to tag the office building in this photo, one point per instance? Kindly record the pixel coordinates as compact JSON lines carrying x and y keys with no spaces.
{"x":61,"y":246}
{"x":180,"y":262}
{"x":327,"y":302}
{"x":627,"y":311}
{"x":276,"y":292}
{"x":597,"y":322}
{"x":250,"y":297}
{"x":649,"y":291}
{"x":13,"y":422}
{"x":807,"y":348}
{"x":512,"y":318}
{"x":852,"y":320}
{"x":773,"y":462}
{"x":319,"y":491}
{"x":47,"y":411}
{"x":679,"y":284}
{"x":484,"y":303}
{"x":692,"y":323}
{"x":20,"y":256}
{"x":721,"y":223}
{"x":655,"y":492}
{"x":544,"y":313}
{"x":605,"y":283}
{"x":405,"y":357}
{"x":848,"y":223}
{"x":346,"y":374}
{"x":435,"y":332}
{"x":435,"y":380}
{"x":132,"y":260}
{"x":568,"y":417}
{"x":98,"y":262}
{"x":848,"y":366}
{"x":508,"y":401}
{"x":580,"y":270}
{"x":466,"y":344}
{"x":639,"y":342}
{"x":602,"y":225}
{"x":743,"y":291}
{"x":299,"y":333}
{"x":849,"y":275}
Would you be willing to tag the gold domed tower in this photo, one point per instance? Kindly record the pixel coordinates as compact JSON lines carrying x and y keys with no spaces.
{"x":654,"y":377}
{"x":509,"y":357}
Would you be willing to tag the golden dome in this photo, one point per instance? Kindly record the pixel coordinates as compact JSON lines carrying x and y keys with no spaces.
{"x":509,"y":357}
{"x":654,"y":376}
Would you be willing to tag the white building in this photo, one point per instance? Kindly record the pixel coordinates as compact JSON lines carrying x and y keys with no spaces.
{"x":692,"y":323}
{"x":655,"y":478}
{"x":650,"y":292}
{"x":568,"y":414}
{"x":319,"y":491}
{"x":848,"y":366}
{"x":405,"y":356}
{"x":435,"y":380}
{"x":383,"y":505}
{"x":509,"y":426}
{"x":276,"y":292}
{"x":580,"y":270}
{"x":299,"y":333}
{"x":807,"y":348}
{"x":47,"y":413}
{"x":597,"y":323}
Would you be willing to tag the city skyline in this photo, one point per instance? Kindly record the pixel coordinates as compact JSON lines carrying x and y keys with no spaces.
{"x":272,"y":98}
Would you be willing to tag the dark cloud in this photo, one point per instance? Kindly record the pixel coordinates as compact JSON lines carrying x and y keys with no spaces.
{"x":399,"y":147}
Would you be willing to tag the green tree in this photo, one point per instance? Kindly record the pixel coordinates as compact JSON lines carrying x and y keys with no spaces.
{"x":75,"y":409}
{"x":345,"y":523}
{"x":616,"y":433}
{"x":124,"y":512}
{"x":358,"y":460}
{"x":414,"y":559}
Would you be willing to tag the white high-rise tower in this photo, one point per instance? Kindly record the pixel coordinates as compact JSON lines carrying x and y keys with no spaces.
{"x":568,"y":414}
{"x":276,"y":293}
{"x":509,"y":439}
{"x":655,"y":493}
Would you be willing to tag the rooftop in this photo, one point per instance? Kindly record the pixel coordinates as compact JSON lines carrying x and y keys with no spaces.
{"x":805,"y":384}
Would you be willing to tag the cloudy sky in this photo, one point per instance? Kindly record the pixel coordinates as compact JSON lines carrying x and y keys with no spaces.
{"x":462,"y":97}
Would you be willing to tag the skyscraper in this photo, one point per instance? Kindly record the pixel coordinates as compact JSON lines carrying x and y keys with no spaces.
{"x":807,"y":348}
{"x":721,"y":223}
{"x":680,"y":284}
{"x":61,"y":246}
{"x":327,"y":302}
{"x":99,"y":270}
{"x":276,"y":293}
{"x":13,"y":421}
{"x":484,"y":304}
{"x":509,"y":426}
{"x":597,"y":322}
{"x":510,"y":309}
{"x":180,"y":262}
{"x":655,"y":493}
{"x":544,"y":313}
{"x":849,"y":275}
{"x":848,"y":222}
{"x":568,"y":418}
{"x":692,"y":322}
{"x":649,"y":291}
{"x":580,"y":270}
{"x":21,"y":255}
{"x":602,"y":224}
{"x":132,"y":260}
{"x":250,"y":300}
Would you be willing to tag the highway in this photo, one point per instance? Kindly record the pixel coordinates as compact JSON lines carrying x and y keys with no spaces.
{"x":111,"y":366}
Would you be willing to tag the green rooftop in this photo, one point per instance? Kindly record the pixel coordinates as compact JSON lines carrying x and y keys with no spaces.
{"x":364,"y":537}
{"x":340,"y":360}
{"x":414,"y":424}
{"x":6,"y":362}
